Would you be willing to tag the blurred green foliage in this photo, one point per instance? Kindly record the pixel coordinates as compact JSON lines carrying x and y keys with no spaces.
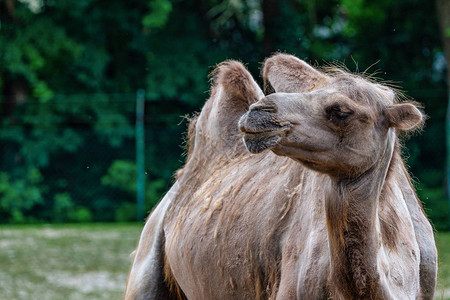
{"x":69,"y":71}
{"x":19,"y":195}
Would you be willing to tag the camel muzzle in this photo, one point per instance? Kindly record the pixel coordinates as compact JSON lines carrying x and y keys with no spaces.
{"x":262,"y":130}
{"x":261,"y":121}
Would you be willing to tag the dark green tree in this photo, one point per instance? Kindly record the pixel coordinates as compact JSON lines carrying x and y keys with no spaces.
{"x":69,"y":71}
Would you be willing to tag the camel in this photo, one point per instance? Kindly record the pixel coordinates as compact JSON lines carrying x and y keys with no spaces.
{"x":301,"y":193}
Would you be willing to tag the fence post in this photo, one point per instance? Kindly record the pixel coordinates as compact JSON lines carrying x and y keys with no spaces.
{"x":447,"y":159}
{"x":140,"y":157}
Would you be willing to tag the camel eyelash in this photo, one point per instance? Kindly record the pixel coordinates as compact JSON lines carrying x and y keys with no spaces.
{"x":338,"y":113}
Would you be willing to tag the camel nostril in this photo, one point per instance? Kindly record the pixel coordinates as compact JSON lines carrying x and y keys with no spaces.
{"x":259,"y":121}
{"x":267,"y":108}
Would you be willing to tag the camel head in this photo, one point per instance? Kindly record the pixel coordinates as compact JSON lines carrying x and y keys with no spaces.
{"x":335,"y":122}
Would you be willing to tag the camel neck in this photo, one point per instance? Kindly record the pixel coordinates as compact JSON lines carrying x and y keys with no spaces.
{"x":354,"y":231}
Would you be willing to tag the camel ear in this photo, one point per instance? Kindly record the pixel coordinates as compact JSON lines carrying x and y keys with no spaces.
{"x":404,"y":116}
{"x":286,"y":73}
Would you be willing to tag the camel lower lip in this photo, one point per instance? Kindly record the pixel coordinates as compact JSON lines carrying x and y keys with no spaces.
{"x":258,"y":142}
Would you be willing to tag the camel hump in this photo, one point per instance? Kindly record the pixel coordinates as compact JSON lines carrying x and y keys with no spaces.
{"x":289,"y":74}
{"x":233,"y":90}
{"x":236,"y":81}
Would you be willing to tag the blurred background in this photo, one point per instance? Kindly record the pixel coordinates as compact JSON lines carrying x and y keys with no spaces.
{"x":73,"y":72}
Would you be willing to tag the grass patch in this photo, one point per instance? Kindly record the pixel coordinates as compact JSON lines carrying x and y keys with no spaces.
{"x":443,"y":244}
{"x":83,"y":261}
{"x":91,"y":261}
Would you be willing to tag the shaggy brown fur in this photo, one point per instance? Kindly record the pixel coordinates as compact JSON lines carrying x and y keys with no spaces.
{"x":328,"y":212}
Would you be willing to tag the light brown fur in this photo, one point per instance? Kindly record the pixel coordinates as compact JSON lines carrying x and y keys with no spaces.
{"x":328,"y":212}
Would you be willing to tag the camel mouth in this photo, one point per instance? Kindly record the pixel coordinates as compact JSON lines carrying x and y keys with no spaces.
{"x":253,"y":130}
{"x":262,"y":130}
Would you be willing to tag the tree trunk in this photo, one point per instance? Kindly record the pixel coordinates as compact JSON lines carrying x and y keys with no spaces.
{"x":270,"y":12}
{"x":443,"y":11}
{"x":10,"y":8}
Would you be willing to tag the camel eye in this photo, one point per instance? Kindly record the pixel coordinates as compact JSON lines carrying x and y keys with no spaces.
{"x":337,"y":113}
